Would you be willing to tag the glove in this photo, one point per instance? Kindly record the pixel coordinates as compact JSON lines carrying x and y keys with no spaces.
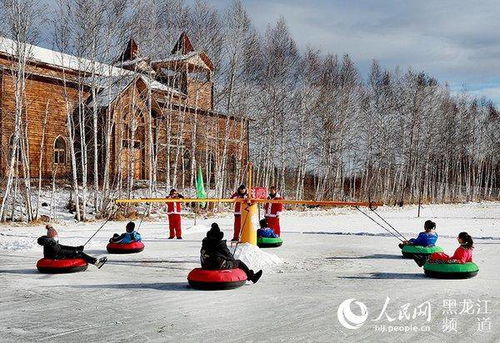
{"x":80,"y":248}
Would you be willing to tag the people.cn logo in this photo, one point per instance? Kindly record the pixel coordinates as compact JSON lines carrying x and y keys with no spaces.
{"x":350,"y":320}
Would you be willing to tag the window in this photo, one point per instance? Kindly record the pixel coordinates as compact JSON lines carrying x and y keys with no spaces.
{"x":129,"y":143}
{"x":60,"y":151}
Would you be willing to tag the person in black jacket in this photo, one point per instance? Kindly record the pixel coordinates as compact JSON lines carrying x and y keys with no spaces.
{"x":215,"y":255}
{"x":53,"y":250}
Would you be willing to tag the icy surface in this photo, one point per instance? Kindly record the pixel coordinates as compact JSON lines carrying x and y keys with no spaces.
{"x":328,"y":257}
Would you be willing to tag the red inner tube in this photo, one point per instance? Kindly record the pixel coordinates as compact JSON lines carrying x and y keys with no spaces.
{"x":66,"y":265}
{"x":223,"y":275}
{"x":216,"y":279}
{"x":125,"y":248}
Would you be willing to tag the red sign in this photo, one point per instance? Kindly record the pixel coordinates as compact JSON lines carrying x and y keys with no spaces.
{"x":259,"y":193}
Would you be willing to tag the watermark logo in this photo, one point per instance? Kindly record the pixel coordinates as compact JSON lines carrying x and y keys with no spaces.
{"x":408,"y":317}
{"x":347,"y":318}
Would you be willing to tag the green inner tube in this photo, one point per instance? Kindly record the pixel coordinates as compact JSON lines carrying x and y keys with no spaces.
{"x":266,"y":242}
{"x":409,"y":250}
{"x":451,"y":270}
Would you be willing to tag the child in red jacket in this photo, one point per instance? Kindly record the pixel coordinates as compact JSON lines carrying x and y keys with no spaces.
{"x":463,"y":254}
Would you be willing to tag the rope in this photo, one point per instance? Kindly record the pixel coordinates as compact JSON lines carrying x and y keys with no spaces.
{"x":142,"y":218}
{"x":376,"y":222}
{"x":385,"y":221}
{"x":107,"y":220}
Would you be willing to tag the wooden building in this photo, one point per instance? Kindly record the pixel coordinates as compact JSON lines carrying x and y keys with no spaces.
{"x":155,"y":118}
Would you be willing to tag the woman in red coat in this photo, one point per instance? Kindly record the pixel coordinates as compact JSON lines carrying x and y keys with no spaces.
{"x":272,"y":211}
{"x":241,"y":193}
{"x":463,"y":254}
{"x":174,"y":215}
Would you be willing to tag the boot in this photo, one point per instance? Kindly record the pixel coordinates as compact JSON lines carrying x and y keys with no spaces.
{"x":256,"y":276}
{"x":420,"y":260}
{"x":101,"y":262}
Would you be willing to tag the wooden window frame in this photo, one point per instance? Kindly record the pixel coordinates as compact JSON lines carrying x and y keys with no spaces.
{"x":56,"y":157}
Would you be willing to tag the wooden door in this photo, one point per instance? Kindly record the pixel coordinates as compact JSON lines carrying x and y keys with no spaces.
{"x":132,"y":157}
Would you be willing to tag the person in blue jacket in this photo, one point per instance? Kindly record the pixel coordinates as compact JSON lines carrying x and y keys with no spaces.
{"x":428,"y":238}
{"x":127,"y":237}
{"x":265,"y":231}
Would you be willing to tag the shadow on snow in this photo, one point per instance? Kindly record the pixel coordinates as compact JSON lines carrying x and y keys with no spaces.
{"x":382,"y":276}
{"x":162,"y":286}
{"x":368,"y":257}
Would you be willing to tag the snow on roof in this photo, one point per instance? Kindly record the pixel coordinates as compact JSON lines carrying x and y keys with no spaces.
{"x":59,"y":59}
{"x":199,"y":58}
{"x":130,"y":62}
{"x":113,"y":86}
{"x":113,"y":79}
{"x":155,"y":85}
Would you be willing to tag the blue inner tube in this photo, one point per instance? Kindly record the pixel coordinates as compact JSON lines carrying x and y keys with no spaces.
{"x":451,"y":270}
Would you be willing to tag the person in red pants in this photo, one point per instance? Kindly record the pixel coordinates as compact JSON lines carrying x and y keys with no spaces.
{"x":241,"y":193}
{"x":174,"y":215}
{"x":272,"y":211}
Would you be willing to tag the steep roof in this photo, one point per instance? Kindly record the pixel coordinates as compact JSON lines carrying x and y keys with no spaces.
{"x":195,"y":61}
{"x":59,"y":59}
{"x":184,"y":55}
{"x":183,"y":45}
{"x":130,"y":53}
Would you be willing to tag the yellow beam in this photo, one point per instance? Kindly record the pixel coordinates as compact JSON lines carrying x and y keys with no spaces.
{"x":319,"y":203}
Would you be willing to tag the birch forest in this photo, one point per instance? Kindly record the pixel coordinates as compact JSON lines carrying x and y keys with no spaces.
{"x":318,"y":128}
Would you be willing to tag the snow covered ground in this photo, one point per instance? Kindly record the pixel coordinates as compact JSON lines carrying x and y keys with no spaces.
{"x":327,"y":257}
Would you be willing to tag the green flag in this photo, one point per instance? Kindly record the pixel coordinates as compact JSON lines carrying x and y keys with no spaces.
{"x":200,"y":188}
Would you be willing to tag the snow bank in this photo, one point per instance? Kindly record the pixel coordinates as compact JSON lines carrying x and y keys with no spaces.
{"x":18,"y":244}
{"x":255,"y":258}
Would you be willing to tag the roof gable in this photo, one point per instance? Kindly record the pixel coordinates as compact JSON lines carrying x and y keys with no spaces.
{"x":183,"y":45}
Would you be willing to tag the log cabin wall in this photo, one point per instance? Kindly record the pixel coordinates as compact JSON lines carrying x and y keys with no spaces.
{"x":44,"y":93}
{"x":199,"y":94}
{"x":210,"y":136}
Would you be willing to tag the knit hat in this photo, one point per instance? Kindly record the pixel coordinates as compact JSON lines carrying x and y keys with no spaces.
{"x":215,"y":232}
{"x":51,"y":232}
